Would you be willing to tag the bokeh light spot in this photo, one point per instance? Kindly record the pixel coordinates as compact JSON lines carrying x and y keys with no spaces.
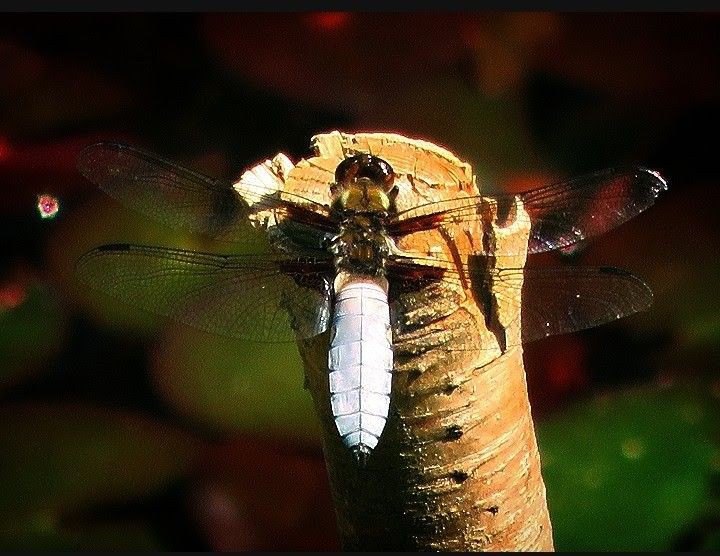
{"x":12,"y":295}
{"x":48,"y":206}
{"x":329,"y":21}
{"x":5,"y":149}
{"x":633,"y":448}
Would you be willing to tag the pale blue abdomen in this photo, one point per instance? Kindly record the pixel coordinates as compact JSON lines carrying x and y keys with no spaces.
{"x":360,"y":362}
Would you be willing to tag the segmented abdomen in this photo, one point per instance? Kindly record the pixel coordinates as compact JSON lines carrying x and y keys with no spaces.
{"x":360,"y":362}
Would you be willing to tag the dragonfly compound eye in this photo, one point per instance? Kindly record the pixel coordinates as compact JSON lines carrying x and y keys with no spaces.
{"x":365,"y":166}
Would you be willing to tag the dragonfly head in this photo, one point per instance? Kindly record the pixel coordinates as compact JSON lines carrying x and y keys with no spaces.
{"x":364,"y":184}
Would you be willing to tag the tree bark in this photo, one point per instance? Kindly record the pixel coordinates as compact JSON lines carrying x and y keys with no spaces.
{"x":457,"y":467}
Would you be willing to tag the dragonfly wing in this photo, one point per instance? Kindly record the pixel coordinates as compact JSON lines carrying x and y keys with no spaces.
{"x":180,"y":197}
{"x":565,"y":213}
{"x":568,"y":299}
{"x":550,"y":301}
{"x":239,"y":296}
{"x":559,"y":215}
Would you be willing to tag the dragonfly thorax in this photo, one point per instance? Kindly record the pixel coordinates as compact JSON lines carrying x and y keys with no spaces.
{"x":361,"y":246}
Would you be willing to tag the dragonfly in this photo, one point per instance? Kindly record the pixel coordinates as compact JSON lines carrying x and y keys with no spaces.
{"x":337,"y":267}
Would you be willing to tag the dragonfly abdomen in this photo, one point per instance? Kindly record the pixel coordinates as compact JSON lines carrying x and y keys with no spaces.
{"x":360,"y":362}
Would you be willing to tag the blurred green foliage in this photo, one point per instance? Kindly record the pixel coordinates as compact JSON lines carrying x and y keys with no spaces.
{"x":43,"y":533}
{"x":233,"y":385}
{"x":630,"y":470}
{"x":31,"y":334}
{"x":60,"y":460}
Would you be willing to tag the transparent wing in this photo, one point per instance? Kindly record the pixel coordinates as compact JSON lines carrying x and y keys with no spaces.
{"x":240,"y":296}
{"x":560,"y":215}
{"x":179,"y":197}
{"x":567,"y":299}
{"x":550,"y":300}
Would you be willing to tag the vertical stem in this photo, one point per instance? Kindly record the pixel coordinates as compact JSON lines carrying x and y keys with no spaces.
{"x":457,"y":467}
{"x":454,"y":471}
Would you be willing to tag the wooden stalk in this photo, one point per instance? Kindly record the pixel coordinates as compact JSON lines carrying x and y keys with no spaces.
{"x":457,"y":467}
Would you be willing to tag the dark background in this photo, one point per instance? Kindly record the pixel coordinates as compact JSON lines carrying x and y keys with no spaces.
{"x":119,"y":430}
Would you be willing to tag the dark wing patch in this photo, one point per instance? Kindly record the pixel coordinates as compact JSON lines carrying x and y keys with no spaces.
{"x":559,"y":215}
